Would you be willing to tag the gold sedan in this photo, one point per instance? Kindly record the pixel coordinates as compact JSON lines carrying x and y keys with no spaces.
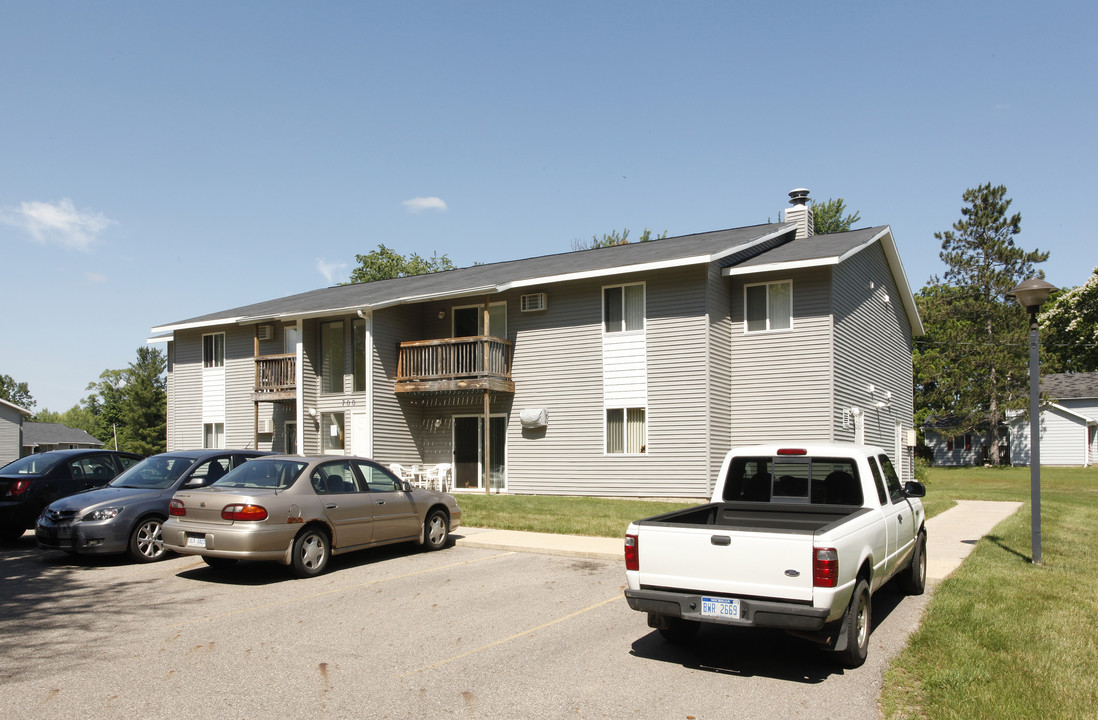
{"x":299,"y":511}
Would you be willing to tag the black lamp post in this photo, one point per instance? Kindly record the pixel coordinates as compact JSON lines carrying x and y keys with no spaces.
{"x":1032,"y":294}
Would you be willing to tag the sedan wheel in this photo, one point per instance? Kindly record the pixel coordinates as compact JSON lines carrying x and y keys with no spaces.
{"x":147,"y":540}
{"x":311,"y":553}
{"x":436,"y":531}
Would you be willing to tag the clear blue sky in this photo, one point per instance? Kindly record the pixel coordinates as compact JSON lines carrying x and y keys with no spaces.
{"x":165,"y":160}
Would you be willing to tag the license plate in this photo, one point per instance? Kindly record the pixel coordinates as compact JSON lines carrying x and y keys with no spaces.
{"x":728,"y":608}
{"x":198,"y":541}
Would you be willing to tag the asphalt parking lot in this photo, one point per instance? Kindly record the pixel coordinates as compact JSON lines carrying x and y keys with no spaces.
{"x":394,"y":633}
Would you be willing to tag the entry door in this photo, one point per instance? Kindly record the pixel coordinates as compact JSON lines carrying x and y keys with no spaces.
{"x":469,"y":452}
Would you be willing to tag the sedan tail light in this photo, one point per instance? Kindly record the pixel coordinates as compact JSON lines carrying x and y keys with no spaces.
{"x":19,"y":487}
{"x":177,"y":508}
{"x":632,"y":553}
{"x":825,"y":567}
{"x":244,"y":512}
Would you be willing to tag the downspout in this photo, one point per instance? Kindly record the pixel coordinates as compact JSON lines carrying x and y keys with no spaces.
{"x":368,"y":317}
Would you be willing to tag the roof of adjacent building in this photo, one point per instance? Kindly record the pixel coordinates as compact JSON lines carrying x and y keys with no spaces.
{"x":1070,"y":386}
{"x":36,"y":434}
{"x":756,"y":248}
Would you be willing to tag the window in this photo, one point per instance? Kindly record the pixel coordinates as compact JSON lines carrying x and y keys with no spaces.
{"x":768,"y":306}
{"x":949,"y":443}
{"x":213,"y":435}
{"x":377,"y":480}
{"x":623,"y":308}
{"x":334,"y":478}
{"x":968,"y":441}
{"x":332,"y":363}
{"x":625,"y":431}
{"x":213,"y":350}
{"x":358,"y":340}
{"x":331,"y":432}
{"x":892,"y":480}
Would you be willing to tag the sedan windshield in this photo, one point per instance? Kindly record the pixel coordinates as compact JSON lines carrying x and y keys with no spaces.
{"x":31,"y":465}
{"x":154,"y":473}
{"x":277,"y":474}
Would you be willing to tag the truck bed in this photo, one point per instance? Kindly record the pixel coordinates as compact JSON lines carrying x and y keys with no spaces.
{"x":806,"y":519}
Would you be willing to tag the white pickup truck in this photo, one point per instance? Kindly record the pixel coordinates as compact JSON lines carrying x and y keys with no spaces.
{"x":797,"y":536}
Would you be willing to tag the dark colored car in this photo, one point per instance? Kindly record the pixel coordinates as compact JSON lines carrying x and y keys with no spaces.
{"x":127,"y":515}
{"x":31,"y":483}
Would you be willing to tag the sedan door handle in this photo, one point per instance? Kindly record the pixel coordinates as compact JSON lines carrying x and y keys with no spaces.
{"x":333,"y":506}
{"x":900,"y":519}
{"x":379,"y":502}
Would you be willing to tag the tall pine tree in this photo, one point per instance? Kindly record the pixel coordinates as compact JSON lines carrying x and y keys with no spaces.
{"x":972,"y":365}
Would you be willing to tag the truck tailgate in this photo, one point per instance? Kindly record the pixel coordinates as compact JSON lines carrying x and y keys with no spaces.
{"x":710,"y":559}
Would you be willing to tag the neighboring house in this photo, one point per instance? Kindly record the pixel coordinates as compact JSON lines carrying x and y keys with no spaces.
{"x":11,"y":431}
{"x":628,"y":370}
{"x":1069,"y":422}
{"x":972,"y":447}
{"x":40,"y":437}
{"x":1069,"y":429}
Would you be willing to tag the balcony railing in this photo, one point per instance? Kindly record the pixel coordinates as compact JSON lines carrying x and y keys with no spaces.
{"x":467,"y":363}
{"x":275,"y":377}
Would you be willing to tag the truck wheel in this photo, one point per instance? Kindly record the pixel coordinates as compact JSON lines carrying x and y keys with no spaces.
{"x":913,"y":580}
{"x":856,"y":623}
{"x":679,"y":630}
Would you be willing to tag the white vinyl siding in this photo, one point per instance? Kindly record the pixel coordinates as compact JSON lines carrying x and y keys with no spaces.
{"x":557,"y":354}
{"x":872,"y":348}
{"x":782,"y":381}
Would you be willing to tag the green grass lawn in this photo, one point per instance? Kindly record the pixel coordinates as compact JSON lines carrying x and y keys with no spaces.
{"x":600,"y":517}
{"x":1003,"y":638}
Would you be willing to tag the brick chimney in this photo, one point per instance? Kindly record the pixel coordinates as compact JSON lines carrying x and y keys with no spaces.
{"x":800,"y":213}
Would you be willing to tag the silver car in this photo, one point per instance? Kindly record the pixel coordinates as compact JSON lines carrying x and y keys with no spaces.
{"x":126,"y":515}
{"x":299,"y":511}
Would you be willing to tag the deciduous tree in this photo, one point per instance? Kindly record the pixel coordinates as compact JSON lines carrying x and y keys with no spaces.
{"x":386,"y":263}
{"x":17,"y":393}
{"x":1069,"y":329}
{"x":827,"y":217}
{"x":614,"y":238}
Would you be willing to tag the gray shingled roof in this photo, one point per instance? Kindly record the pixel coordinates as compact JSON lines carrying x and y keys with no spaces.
{"x":1070,"y":386}
{"x":55,"y":434}
{"x":747,"y":247}
{"x":498,"y":276}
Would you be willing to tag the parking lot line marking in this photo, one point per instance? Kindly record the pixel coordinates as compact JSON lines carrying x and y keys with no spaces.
{"x":333,"y":591}
{"x":516,"y":636}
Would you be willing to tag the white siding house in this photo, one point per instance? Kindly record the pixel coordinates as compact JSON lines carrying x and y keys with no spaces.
{"x":11,"y":431}
{"x":647,"y":362}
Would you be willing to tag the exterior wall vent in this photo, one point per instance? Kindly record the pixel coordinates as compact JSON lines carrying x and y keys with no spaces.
{"x":266,"y":426}
{"x":265,"y":332}
{"x":533,"y":302}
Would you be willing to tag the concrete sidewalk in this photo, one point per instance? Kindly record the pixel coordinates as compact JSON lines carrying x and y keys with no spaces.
{"x":950,"y":537}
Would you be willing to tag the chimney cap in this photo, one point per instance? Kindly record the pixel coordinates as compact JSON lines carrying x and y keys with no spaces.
{"x":798,"y":196}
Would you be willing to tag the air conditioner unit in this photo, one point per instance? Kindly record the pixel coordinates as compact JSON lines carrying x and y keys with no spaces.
{"x":265,"y":332}
{"x":533,"y":302}
{"x":266,"y":426}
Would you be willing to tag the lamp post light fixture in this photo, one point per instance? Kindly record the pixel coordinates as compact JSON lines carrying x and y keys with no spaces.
{"x":1032,"y":294}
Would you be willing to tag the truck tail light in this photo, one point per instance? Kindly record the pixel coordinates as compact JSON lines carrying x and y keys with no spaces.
{"x":177,"y":508}
{"x":19,"y":487}
{"x":244,"y":512}
{"x":825,"y":567}
{"x":632,"y":553}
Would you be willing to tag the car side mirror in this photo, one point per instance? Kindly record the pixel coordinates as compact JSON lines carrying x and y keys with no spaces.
{"x":195,"y":482}
{"x":914,"y":488}
{"x":405,"y":486}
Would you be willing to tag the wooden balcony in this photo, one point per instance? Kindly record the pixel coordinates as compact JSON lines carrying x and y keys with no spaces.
{"x":275,"y":378}
{"x":468,"y":363}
